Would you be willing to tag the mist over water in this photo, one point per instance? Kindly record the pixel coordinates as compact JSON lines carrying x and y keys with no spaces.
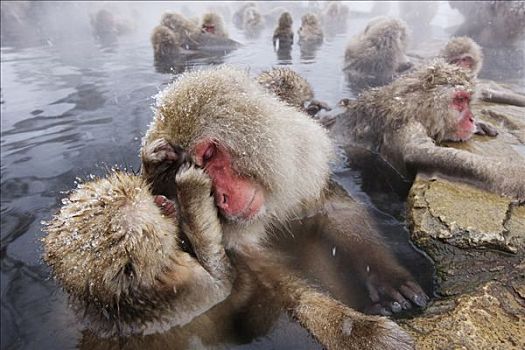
{"x":72,"y":107}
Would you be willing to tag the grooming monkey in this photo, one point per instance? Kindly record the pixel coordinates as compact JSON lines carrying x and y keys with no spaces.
{"x":252,"y":145}
{"x":292,"y":89}
{"x":407,"y":120}
{"x":377,"y":55}
{"x":466,"y":53}
{"x":138,"y":263}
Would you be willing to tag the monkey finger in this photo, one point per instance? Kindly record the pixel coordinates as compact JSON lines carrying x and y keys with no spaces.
{"x":415,"y":294}
{"x":377,"y":309}
{"x":398,"y":299}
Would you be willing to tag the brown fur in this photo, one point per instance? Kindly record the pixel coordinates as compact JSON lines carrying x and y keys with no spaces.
{"x":289,"y":86}
{"x":310,"y":32}
{"x":405,"y":120}
{"x":462,"y":46}
{"x":492,"y":23}
{"x":268,"y":141}
{"x":120,"y":259}
{"x":215,"y":20}
{"x":283,"y":34}
{"x":165,"y":43}
{"x":374,"y":57}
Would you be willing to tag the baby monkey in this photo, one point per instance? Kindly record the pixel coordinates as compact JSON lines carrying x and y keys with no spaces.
{"x":135,"y":260}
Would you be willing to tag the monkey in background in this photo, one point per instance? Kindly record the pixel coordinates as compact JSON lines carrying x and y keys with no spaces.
{"x":406,"y":121}
{"x":377,"y":55}
{"x":283,"y":35}
{"x":253,"y":22}
{"x":292,"y":89}
{"x":138,"y":263}
{"x":492,"y":23}
{"x":251,"y":145}
{"x":238,"y":16}
{"x":334,"y":17}
{"x":419,"y":15}
{"x":212,"y":23}
{"x":310,"y":32}
{"x":466,"y":53}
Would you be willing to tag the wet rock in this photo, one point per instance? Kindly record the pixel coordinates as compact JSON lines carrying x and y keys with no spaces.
{"x":477,"y":241}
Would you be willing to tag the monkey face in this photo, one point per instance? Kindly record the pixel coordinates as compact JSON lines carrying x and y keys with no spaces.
{"x":265,"y":158}
{"x":462,"y":116}
{"x":237,"y":197}
{"x":464,"y":61}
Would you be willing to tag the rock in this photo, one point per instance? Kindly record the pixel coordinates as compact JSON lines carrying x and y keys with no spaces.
{"x":477,"y":241}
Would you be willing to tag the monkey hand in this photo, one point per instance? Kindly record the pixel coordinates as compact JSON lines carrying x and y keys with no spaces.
{"x":486,"y":129}
{"x":159,"y":156}
{"x":393,"y":291}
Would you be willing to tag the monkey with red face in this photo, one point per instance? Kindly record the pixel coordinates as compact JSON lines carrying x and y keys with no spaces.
{"x":406,"y":121}
{"x":254,"y":147}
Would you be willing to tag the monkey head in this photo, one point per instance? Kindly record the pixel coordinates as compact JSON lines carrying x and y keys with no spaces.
{"x":265,"y":159}
{"x":111,"y":248}
{"x":285,"y":20}
{"x":288,"y":85}
{"x":177,"y":22}
{"x":440,"y":94}
{"x":210,"y":22}
{"x":310,"y":20}
{"x":464,"y":52}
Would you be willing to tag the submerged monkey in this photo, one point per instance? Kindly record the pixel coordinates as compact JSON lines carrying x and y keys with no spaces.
{"x":407,"y":120}
{"x":131,"y":267}
{"x":377,"y":55}
{"x":212,"y":23}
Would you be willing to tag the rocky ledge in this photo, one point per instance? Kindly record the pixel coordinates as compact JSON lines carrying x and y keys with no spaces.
{"x":477,"y":242}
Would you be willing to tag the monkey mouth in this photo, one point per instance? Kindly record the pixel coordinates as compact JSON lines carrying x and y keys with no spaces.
{"x":251,"y":210}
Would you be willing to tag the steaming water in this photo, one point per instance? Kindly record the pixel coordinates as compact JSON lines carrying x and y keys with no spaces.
{"x":75,"y":108}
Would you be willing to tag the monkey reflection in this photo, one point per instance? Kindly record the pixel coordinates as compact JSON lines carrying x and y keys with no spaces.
{"x":377,"y":55}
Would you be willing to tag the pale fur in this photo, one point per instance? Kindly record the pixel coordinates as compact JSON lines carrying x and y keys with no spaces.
{"x":283,"y":34}
{"x":216,"y":20}
{"x":310,"y":32}
{"x":373,"y":57}
{"x":403,"y":121}
{"x":199,"y":104}
{"x":119,"y":259}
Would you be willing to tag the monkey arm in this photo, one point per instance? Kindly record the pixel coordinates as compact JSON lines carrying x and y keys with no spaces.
{"x":201,"y":223}
{"x":330,"y":322}
{"x":502,"y":96}
{"x":419,"y":152}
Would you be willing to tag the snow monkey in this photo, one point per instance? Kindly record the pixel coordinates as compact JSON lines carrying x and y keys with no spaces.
{"x":131,"y":267}
{"x":310,"y":32}
{"x":292,"y":88}
{"x":269,"y":165}
{"x":283,"y":34}
{"x":406,"y":121}
{"x":374,"y":57}
{"x":212,"y":23}
{"x":466,"y":53}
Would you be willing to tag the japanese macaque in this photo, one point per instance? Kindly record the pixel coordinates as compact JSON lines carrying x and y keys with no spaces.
{"x":418,"y":15}
{"x":212,"y":23}
{"x":283,"y":34}
{"x":310,"y":32}
{"x":377,"y":55}
{"x":269,"y":166}
{"x":253,"y":22}
{"x":334,"y":17}
{"x":107,"y":28}
{"x":292,"y":89}
{"x":238,"y":16}
{"x":136,"y":263}
{"x":466,"y":53}
{"x":492,"y":23}
{"x":406,"y":121}
{"x":166,"y":44}
{"x":187,"y":30}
